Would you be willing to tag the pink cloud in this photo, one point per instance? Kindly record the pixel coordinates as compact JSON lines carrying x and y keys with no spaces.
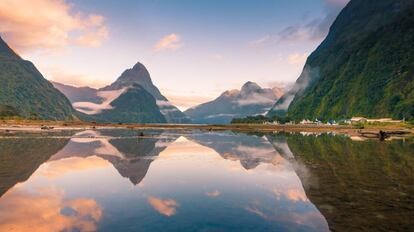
{"x":165,"y":207}
{"x":169,"y":42}
{"x":49,"y":25}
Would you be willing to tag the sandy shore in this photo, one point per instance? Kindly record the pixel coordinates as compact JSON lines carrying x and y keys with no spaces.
{"x":53,"y":126}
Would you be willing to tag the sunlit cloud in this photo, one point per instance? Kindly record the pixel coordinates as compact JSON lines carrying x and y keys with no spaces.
{"x":214,"y":193}
{"x":261,"y":40}
{"x":49,"y":25}
{"x":165,"y":207}
{"x":291,"y":194}
{"x":297,"y":58}
{"x":58,"y":168}
{"x":69,"y":77}
{"x":185,"y":100}
{"x":48,"y":211}
{"x":169,"y":42}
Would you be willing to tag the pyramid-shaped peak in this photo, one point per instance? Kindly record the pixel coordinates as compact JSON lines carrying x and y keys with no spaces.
{"x":139,"y":66}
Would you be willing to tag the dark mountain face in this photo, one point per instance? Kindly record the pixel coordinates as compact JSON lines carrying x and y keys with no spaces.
{"x":365,"y":66}
{"x":133,"y":105}
{"x":24,"y":91}
{"x":20,"y":157}
{"x":140,"y":75}
{"x":250,"y":100}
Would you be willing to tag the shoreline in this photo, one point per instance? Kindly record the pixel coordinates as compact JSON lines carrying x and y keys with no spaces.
{"x":10,"y":126}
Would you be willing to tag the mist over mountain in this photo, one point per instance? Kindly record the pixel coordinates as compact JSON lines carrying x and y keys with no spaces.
{"x":25,"y":93}
{"x":131,"y":98}
{"x":251,"y":99}
{"x":140,"y":75}
{"x":78,"y":94}
{"x":364,"y":67}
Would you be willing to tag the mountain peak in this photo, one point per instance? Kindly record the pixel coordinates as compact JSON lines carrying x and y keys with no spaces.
{"x":138,"y":74}
{"x":6,"y":52}
{"x":139,"y":66}
{"x":250,"y":86}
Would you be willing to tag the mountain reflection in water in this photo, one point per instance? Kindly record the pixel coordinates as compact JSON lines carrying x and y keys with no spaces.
{"x":119,"y":180}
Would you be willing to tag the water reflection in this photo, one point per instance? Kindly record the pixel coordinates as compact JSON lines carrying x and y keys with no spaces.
{"x":358,"y":185}
{"x":20,"y":157}
{"x":121,"y":180}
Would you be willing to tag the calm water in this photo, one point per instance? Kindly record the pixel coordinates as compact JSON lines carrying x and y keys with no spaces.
{"x":116,"y":180}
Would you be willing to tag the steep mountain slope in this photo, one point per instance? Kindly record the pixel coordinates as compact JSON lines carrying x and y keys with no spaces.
{"x":135,"y":104}
{"x":250,"y":100}
{"x":140,"y":75}
{"x":25,"y":92}
{"x":364,"y":67}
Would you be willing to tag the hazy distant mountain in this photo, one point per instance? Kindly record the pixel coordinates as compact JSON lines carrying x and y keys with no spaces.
{"x":25,"y":93}
{"x":250,"y":100}
{"x":364,"y":67}
{"x":131,"y":98}
{"x":78,"y":94}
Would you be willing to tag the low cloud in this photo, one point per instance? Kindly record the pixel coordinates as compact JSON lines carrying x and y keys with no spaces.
{"x":308,"y":75}
{"x":94,"y":108}
{"x":49,"y":25}
{"x":185,"y":101}
{"x":256,"y":99}
{"x":314,"y":29}
{"x":168,"y":42}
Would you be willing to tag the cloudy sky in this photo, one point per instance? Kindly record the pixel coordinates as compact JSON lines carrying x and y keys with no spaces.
{"x":194,"y":50}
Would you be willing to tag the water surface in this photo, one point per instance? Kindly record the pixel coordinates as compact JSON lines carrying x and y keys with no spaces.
{"x":117,"y":180}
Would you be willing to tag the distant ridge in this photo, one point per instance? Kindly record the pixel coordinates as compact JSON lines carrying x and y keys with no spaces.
{"x":251,"y":99}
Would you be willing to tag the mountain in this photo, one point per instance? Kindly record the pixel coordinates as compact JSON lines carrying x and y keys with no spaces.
{"x":250,"y":100}
{"x":249,"y":150}
{"x":140,"y":75}
{"x":133,"y":105}
{"x":24,"y":92}
{"x":131,"y":98}
{"x":78,"y":94}
{"x":129,"y":155}
{"x":364,"y":67}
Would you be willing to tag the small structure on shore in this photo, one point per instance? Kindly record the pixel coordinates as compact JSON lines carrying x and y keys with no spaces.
{"x":358,"y":120}
{"x":307,"y":122}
